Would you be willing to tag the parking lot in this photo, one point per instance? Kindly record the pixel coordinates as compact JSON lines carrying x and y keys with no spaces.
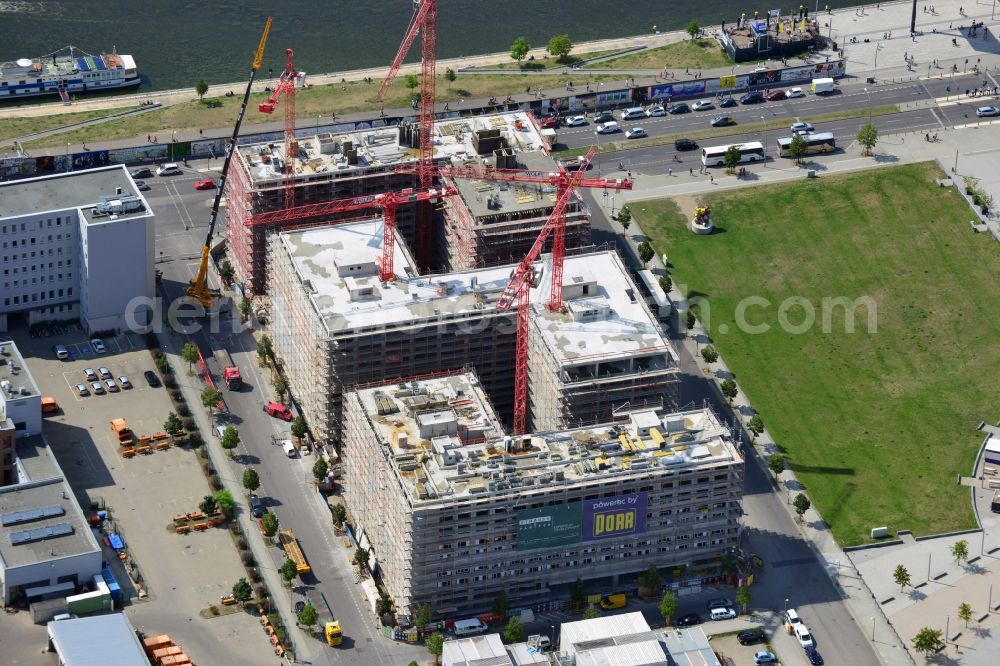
{"x":183,"y":574}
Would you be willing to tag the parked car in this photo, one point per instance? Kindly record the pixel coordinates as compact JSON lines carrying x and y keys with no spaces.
{"x":97,"y":388}
{"x":112,"y":387}
{"x":791,"y":617}
{"x":814,"y":658}
{"x":549,"y":123}
{"x":90,"y":374}
{"x":728,"y":102}
{"x":988,"y":111}
{"x":755,"y":97}
{"x":751,"y":636}
{"x":61,"y":352}
{"x":81,"y":390}
{"x":794,"y":92}
{"x":764,"y":657}
{"x":98,"y":346}
{"x":609,"y":127}
{"x":169,"y":169}
{"x":656,"y":111}
{"x":604,"y":117}
{"x":703,"y":105}
{"x":802,"y":128}
{"x":256,"y":507}
{"x":685,"y":144}
{"x":576,"y":121}
{"x":723,"y":121}
{"x":635,"y":133}
{"x":680,"y":107}
{"x":141,"y":172}
{"x":124,"y":382}
{"x":721,"y":602}
{"x":204,"y":184}
{"x":142,"y":185}
{"x":722,"y":614}
{"x":802,"y":633}
{"x":689,"y":620}
{"x":776,"y":95}
{"x":151,"y":379}
{"x":104,"y":372}
{"x":278,"y":411}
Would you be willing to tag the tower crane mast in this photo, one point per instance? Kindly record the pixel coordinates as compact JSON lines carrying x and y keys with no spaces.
{"x":286,"y":87}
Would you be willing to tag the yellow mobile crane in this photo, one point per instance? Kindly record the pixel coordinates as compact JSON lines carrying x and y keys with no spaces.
{"x":198,"y":289}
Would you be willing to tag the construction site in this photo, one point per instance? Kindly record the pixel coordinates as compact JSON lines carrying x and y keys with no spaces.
{"x":454,"y":512}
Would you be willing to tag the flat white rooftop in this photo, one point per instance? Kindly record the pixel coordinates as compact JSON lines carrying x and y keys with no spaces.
{"x":474,"y":651}
{"x":605,"y":317}
{"x":615,"y":640}
{"x":462,"y":451}
{"x":332,"y":154}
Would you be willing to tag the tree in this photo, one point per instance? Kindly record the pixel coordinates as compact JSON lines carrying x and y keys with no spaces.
{"x":450,"y":75}
{"x":269,"y":523}
{"x":424,"y":615}
{"x":320,"y":469}
{"x":383,"y":605}
{"x":501,"y":605}
{"x":591,"y":612}
{"x":299,"y":428}
{"x":927,"y":640}
{"x":208,"y":505}
{"x":226,"y":272}
{"x":435,"y":645}
{"x":731,"y":158}
{"x":668,"y":606}
{"x":559,"y":47}
{"x":646,"y":252}
{"x":797,"y":148}
{"x":776,"y":463}
{"x":690,"y":319}
{"x":513,"y":631}
{"x":288,"y":570}
{"x":210,"y":397}
{"x":965,"y":613}
{"x":307,"y":616}
{"x":868,"y":137}
{"x":755,"y":425}
{"x":230,"y":438}
{"x":519,"y":49}
{"x":242,"y":591}
{"x":224,"y":499}
{"x":339,"y":513}
{"x":651,"y":578}
{"x":189,"y":353}
{"x":412,"y":81}
{"x":744,"y":597}
{"x":902,"y":576}
{"x":960,"y":550}
{"x":361,"y":558}
{"x":692,"y":29}
{"x":666,"y":283}
{"x":265,"y":350}
{"x":625,"y":217}
{"x":173,"y":425}
{"x":578,"y":594}
{"x":280,"y":385}
{"x":245,"y":306}
{"x":801,"y":504}
{"x":201,"y":87}
{"x":729,"y":389}
{"x":710,"y":354}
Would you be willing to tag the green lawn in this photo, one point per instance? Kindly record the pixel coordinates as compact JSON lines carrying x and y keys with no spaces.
{"x":876,"y":424}
{"x":696,"y":54}
{"x":549,"y":62}
{"x":11,"y":128}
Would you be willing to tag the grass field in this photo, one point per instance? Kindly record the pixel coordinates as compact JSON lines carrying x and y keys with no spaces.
{"x":548,"y":62}
{"x":11,"y":128}
{"x":694,"y":54}
{"x":876,"y":424}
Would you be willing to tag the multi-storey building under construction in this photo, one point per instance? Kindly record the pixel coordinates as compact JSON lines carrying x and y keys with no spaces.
{"x":336,"y":324}
{"x":454,"y":512}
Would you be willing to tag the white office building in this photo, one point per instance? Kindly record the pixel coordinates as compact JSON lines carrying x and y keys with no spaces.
{"x":76,"y":245}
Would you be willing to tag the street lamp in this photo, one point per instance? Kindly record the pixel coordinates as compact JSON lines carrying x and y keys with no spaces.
{"x":69,"y":164}
{"x":786,"y":607}
{"x":869,"y":106}
{"x":763,"y":124}
{"x":873,"y":629}
{"x":878,"y":47}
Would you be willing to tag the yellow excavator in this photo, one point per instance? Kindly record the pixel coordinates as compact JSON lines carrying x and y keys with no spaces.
{"x":198,"y":288}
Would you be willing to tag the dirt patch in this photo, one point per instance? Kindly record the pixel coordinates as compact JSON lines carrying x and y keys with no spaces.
{"x":687,"y":204}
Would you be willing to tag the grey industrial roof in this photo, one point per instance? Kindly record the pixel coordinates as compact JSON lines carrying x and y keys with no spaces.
{"x":688,"y":646}
{"x":15,"y":371}
{"x":512,"y":196}
{"x":62,"y":191}
{"x":97,"y":640}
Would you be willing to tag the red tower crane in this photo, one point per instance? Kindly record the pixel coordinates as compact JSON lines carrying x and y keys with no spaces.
{"x":561,"y":180}
{"x":286,"y":87}
{"x":388,"y":202}
{"x":423,"y":21}
{"x":519,"y":286}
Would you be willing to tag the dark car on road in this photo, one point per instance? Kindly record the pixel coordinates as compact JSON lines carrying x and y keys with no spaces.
{"x":141,"y":172}
{"x":603,"y":117}
{"x":689,"y":620}
{"x":151,"y":379}
{"x":776,"y":95}
{"x":679,"y":108}
{"x":685,"y":144}
{"x":723,"y":121}
{"x":755,"y":97}
{"x":751,"y":636}
{"x":814,"y":657}
{"x":728,"y":102}
{"x":256,"y":507}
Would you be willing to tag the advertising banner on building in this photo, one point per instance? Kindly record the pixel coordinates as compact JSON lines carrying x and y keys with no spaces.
{"x":679,"y":89}
{"x":611,"y":517}
{"x":549,"y":526}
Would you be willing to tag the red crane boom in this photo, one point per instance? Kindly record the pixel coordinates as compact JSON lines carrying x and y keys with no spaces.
{"x":423,"y":21}
{"x":519,"y":286}
{"x":286,"y":87}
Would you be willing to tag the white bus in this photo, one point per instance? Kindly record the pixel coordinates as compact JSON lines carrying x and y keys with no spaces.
{"x":823,"y":142}
{"x":752,"y":151}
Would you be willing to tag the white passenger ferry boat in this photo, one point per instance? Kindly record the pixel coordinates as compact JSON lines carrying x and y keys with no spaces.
{"x":66,"y":72}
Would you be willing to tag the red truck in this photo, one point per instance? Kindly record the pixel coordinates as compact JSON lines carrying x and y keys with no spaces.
{"x":230,"y":371}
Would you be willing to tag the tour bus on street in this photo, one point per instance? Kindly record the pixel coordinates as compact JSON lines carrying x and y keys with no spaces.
{"x":752,"y":151}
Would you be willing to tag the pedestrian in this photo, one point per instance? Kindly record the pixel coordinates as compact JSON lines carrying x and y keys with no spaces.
{"x":149,"y":139}
{"x":670,"y":172}
{"x":713,"y":179}
{"x":691,"y":171}
{"x":201,"y":132}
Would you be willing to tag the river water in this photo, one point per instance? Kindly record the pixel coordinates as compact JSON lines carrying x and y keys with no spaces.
{"x":177,"y":42}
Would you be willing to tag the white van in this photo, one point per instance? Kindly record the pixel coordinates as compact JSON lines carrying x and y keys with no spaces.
{"x":469,"y":627}
{"x":288,"y":448}
{"x":169,"y":169}
{"x":61,"y":352}
{"x":723,"y":614}
{"x":633,"y":113}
